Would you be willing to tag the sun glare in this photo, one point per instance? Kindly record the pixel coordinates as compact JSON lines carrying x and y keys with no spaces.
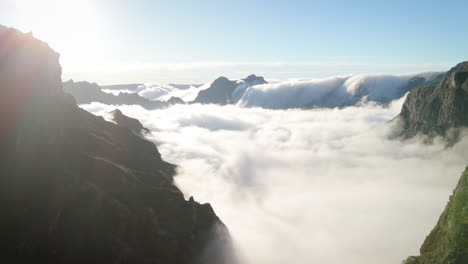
{"x":72,"y":27}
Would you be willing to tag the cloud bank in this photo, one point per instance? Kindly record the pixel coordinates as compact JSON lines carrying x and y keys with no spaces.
{"x":307,"y":186}
{"x":163,"y":92}
{"x":334,"y":91}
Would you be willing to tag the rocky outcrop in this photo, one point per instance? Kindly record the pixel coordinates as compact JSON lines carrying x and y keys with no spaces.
{"x":224,"y":91}
{"x":131,"y":123}
{"x":439,"y":109}
{"x":448,"y":241}
{"x":77,"y":189}
{"x":85,"y":93}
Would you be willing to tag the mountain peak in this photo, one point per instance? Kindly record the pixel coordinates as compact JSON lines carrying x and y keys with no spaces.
{"x":255,"y":79}
{"x":221,"y":79}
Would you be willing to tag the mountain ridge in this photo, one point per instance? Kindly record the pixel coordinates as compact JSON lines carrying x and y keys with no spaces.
{"x":75,"y":188}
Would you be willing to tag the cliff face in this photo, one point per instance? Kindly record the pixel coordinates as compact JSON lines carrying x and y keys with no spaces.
{"x":439,"y":109}
{"x":77,"y":189}
{"x":448,"y":241}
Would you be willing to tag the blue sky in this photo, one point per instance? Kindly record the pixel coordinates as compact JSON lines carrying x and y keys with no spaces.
{"x":194,"y":41}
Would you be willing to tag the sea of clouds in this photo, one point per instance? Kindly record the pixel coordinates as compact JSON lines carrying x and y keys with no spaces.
{"x":331,"y":92}
{"x":307,"y":186}
{"x":337,"y":91}
{"x":162,"y":92}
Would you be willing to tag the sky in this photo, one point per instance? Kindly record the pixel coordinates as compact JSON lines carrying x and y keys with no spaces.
{"x":123,"y":41}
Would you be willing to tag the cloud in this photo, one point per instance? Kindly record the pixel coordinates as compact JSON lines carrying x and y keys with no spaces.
{"x":307,"y":186}
{"x":330,"y":92}
{"x":163,"y":92}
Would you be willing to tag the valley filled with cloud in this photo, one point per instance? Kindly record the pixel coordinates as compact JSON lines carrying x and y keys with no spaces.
{"x":307,"y":186}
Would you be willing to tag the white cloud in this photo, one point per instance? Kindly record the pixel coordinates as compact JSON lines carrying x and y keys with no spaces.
{"x":329,"y":92}
{"x":163,"y":92}
{"x":315,"y":186}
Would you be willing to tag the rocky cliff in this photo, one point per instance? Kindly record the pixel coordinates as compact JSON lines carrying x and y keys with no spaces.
{"x":77,"y":189}
{"x":440,"y":109}
{"x":448,"y":241}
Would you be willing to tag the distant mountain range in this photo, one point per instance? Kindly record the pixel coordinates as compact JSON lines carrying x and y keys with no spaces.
{"x":76,"y":189}
{"x":254,"y":91}
{"x":85,"y":93}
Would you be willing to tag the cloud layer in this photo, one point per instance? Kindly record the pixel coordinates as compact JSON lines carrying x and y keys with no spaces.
{"x":332,"y":92}
{"x":163,"y":92}
{"x":317,"y":186}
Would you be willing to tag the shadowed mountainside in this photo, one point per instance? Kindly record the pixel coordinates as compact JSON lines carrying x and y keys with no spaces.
{"x":77,"y":189}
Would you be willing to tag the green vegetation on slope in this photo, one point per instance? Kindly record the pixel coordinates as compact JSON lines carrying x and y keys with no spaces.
{"x":448,"y":241}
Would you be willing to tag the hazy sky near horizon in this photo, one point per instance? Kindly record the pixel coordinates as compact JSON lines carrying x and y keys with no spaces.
{"x":122,"y":41}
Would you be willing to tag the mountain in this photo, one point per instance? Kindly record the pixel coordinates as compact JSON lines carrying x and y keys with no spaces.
{"x":224,"y":91}
{"x":85,"y":93}
{"x":77,"y":189}
{"x":448,"y":241}
{"x":131,"y":123}
{"x":439,"y":109}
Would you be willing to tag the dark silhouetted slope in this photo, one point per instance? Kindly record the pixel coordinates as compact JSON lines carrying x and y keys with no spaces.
{"x":77,"y":189}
